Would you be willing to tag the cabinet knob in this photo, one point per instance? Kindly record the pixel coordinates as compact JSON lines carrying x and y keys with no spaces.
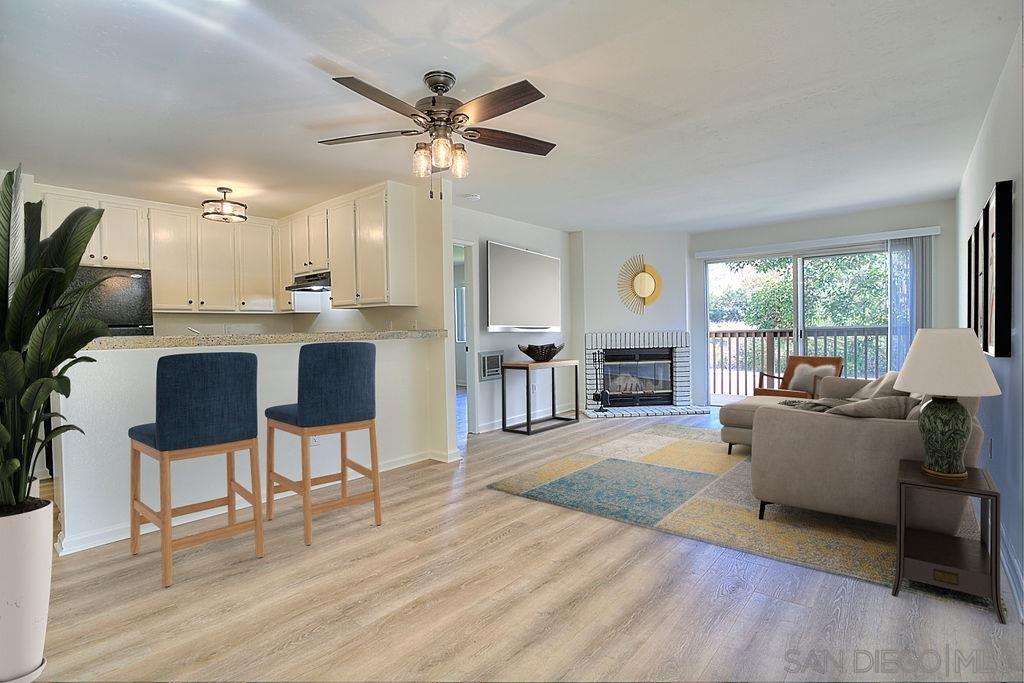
{"x":104,"y":258}
{"x":202,"y":303}
{"x":358,"y":295}
{"x":92,"y":255}
{"x":243,"y":303}
{"x":190,"y":302}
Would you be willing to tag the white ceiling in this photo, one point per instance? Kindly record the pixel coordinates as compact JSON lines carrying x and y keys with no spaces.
{"x":670,"y":114}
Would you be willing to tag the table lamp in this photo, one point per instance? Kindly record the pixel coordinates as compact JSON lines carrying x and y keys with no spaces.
{"x":946,"y":364}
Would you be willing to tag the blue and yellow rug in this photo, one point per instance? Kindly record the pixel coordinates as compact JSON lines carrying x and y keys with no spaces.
{"x":682,"y":481}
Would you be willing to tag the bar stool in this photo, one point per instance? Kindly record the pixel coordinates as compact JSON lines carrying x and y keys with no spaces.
{"x":335,"y":396}
{"x":205,"y":405}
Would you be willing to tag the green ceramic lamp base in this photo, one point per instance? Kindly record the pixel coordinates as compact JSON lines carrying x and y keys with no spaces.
{"x":945,"y":428}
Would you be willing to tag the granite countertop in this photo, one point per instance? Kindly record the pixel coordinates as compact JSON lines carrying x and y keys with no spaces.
{"x":205,"y":340}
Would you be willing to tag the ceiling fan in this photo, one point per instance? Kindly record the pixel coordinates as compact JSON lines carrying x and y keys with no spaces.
{"x":442,"y":117}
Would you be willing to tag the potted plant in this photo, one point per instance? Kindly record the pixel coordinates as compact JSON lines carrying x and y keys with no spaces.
{"x":41,"y":330}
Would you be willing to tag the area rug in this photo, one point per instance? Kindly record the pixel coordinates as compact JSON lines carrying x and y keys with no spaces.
{"x":682,"y":480}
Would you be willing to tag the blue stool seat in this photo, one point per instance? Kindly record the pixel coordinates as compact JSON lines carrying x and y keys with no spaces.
{"x":289,"y":414}
{"x":144,"y":434}
{"x":335,"y":396}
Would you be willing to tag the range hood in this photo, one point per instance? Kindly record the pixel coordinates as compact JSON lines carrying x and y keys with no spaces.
{"x":314,"y":282}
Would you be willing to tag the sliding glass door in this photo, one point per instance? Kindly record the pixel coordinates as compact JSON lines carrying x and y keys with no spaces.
{"x":843,"y":303}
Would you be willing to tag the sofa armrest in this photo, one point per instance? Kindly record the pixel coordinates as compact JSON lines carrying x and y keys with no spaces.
{"x":839,"y":387}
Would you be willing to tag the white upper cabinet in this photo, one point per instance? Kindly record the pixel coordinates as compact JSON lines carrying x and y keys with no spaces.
{"x":217,"y":272}
{"x":300,"y":245}
{"x":122,"y":238}
{"x":377,"y":250}
{"x":341,"y":219}
{"x":174,"y":268}
{"x":317,"y":241}
{"x":124,"y":235}
{"x":285,"y":274}
{"x":255,"y":266}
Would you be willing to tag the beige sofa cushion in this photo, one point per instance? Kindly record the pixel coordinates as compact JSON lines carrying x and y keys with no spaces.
{"x":883,"y":386}
{"x":741,"y":413}
{"x":888,"y":407}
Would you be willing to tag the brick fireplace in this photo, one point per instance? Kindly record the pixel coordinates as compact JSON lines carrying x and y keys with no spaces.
{"x":648,"y":373}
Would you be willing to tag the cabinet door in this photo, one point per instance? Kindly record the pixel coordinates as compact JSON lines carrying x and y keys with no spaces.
{"x":284,"y":266}
{"x":371,"y":250}
{"x":317,"y":241}
{"x":56,"y":208}
{"x":300,"y":246}
{"x":124,"y":239}
{"x":173,"y":267}
{"x":216,"y":267}
{"x":341,"y":222}
{"x":256,"y":267}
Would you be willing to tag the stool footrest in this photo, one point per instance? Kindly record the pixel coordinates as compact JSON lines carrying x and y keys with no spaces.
{"x":242,"y":491}
{"x":212,"y":534}
{"x":285,"y":483}
{"x":197,"y":507}
{"x":361,"y":469}
{"x":151,"y":515}
{"x":344,"y":502}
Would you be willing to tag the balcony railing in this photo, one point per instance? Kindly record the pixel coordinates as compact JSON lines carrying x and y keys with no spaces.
{"x":736,"y":357}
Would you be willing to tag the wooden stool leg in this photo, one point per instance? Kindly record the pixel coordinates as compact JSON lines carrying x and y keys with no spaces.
{"x":307,"y":494}
{"x":270,"y":470}
{"x":165,"y":517}
{"x":135,"y":492}
{"x":232,"y":516}
{"x":376,"y":473}
{"x":257,"y":502}
{"x":344,"y":465}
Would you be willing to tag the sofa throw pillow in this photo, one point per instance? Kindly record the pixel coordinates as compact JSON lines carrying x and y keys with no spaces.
{"x":818,"y":405}
{"x":804,"y":374}
{"x":888,"y":407}
{"x":878,"y":388}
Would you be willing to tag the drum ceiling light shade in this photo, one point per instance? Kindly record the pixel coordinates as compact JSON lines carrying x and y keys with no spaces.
{"x":639,"y":284}
{"x":224,"y":210}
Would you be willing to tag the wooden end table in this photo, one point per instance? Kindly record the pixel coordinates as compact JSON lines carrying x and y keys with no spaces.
{"x":555,"y":420}
{"x":951,"y":562}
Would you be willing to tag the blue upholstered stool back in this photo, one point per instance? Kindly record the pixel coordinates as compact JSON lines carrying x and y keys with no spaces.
{"x":336,"y":383}
{"x":204,"y":399}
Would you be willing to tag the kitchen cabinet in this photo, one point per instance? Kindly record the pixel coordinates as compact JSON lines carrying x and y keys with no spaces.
{"x":121,"y":240}
{"x":309,"y":242}
{"x":376,"y":251}
{"x":173,"y":272}
{"x":255,"y":266}
{"x":217,"y":271}
{"x":285,"y":274}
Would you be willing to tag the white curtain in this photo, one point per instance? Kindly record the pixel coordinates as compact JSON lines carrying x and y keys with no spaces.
{"x":910,"y":294}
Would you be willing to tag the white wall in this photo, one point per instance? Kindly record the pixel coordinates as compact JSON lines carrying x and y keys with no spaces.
{"x":999,"y":155}
{"x":940,"y":213}
{"x":478,"y":228}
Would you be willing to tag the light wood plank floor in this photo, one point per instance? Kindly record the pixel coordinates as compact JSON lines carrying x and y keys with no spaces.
{"x":462,"y":582}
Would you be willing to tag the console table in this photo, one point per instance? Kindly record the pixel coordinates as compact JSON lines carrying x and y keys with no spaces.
{"x":952,"y":562}
{"x":555,"y":420}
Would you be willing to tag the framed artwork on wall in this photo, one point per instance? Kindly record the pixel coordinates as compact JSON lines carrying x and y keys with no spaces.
{"x":989,"y":272}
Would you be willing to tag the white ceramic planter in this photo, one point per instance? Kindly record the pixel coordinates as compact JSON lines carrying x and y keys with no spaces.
{"x":24,"y":592}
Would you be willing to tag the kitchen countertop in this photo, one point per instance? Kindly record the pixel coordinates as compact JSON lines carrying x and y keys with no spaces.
{"x":205,"y":340}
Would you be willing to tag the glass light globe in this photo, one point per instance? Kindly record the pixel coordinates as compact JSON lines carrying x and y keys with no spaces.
{"x":441,"y":152}
{"x":421,"y":160}
{"x":460,"y":161}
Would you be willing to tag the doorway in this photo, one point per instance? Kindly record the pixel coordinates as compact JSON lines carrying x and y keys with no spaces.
{"x":461,"y":272}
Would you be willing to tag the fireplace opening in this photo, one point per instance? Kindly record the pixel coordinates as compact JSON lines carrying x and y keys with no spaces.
{"x":638,"y":377}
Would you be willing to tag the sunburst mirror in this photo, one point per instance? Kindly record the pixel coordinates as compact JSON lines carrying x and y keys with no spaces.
{"x":639,"y":284}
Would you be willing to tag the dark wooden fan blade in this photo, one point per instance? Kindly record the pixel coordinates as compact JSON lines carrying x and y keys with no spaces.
{"x":379,"y":96}
{"x":370,"y":136}
{"x":500,"y":101}
{"x":506,"y":140}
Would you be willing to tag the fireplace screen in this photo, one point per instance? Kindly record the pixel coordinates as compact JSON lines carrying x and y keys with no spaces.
{"x":638,"y":376}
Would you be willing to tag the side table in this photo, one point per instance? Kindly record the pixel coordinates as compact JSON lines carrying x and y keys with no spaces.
{"x":555,"y":420}
{"x":952,"y":562}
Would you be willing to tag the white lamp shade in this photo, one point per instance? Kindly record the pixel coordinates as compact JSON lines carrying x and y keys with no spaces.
{"x":947,"y":363}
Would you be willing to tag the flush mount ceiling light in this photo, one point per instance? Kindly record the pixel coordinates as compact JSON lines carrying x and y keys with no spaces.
{"x":443,"y":117}
{"x":224,"y":209}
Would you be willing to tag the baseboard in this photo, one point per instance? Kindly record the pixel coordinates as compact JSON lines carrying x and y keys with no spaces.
{"x":1013,"y":573}
{"x":451,"y":456}
{"x":66,"y":545}
{"x":521,"y":417}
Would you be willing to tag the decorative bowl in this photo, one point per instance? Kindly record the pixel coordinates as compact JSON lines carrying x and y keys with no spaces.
{"x":541,"y":353}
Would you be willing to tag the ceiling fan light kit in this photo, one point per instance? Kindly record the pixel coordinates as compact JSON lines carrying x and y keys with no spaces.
{"x":223,"y":209}
{"x":443,"y":117}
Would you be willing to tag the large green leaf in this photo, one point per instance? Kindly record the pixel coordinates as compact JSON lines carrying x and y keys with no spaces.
{"x":57,"y":431}
{"x":9,"y":467}
{"x":64,"y":248}
{"x":75,"y":336}
{"x":37,"y":393}
{"x":33,"y":231}
{"x":16,"y":236}
{"x":12,"y":374}
{"x":73,"y":362}
{"x":5,"y":436}
{"x":41,"y":344}
{"x":6,"y":199}
{"x":26,"y":304}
